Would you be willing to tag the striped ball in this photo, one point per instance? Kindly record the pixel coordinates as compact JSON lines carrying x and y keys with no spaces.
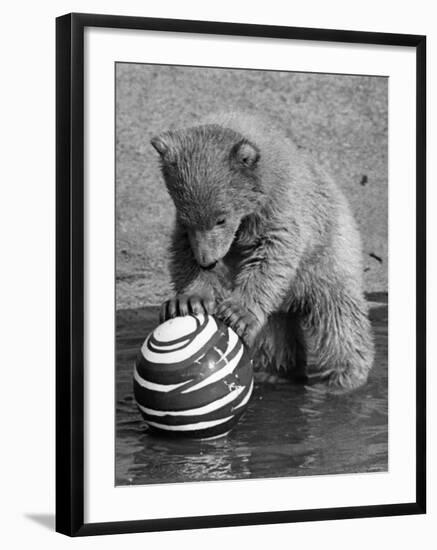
{"x":193,"y":377}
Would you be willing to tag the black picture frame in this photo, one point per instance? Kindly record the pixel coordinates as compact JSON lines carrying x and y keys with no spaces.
{"x":70,"y":273}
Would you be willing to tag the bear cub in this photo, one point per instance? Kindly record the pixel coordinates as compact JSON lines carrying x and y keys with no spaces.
{"x":264,"y":239}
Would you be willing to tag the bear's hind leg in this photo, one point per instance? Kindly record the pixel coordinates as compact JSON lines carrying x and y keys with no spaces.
{"x":340,"y":334}
{"x":280,"y":352}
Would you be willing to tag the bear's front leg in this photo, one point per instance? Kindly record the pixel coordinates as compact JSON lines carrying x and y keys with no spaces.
{"x":245,"y":322}
{"x":186,"y":304}
{"x":263,"y":280}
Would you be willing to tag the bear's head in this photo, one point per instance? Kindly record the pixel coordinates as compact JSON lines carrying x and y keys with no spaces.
{"x":212,"y":175}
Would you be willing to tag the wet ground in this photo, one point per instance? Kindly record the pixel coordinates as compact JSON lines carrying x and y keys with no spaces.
{"x":287,"y":430}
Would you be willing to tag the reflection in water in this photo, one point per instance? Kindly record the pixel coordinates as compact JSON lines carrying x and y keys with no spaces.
{"x":286,"y":430}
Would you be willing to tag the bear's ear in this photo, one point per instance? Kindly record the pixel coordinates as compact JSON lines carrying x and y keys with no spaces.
{"x":245,"y":153}
{"x":162,"y":144}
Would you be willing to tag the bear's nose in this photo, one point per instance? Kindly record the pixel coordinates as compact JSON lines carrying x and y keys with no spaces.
{"x":209,"y":266}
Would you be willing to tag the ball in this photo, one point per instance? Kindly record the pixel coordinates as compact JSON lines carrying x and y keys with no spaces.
{"x":193,"y":377}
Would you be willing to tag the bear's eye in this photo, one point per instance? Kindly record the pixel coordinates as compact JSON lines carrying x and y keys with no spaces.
{"x":220,"y":221}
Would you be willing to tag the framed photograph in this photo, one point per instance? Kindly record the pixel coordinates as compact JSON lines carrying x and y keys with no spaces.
{"x":240,"y":274}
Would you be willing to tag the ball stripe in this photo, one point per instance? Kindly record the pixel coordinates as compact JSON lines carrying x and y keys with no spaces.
{"x":169,"y":347}
{"x":177,"y":399}
{"x":230,"y":359}
{"x":197,"y":342}
{"x":218,"y":404}
{"x":229,"y":367}
{"x":173,"y":418}
{"x":246,"y":398}
{"x":191,"y":427}
{"x":154,"y":386}
{"x":179,"y":330}
{"x":162,"y":373}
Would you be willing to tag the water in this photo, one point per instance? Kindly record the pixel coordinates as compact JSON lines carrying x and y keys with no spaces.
{"x":287,"y":430}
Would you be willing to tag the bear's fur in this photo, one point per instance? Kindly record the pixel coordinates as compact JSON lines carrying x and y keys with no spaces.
{"x":265,"y":238}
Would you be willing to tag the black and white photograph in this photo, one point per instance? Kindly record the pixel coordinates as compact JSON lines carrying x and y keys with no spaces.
{"x":251,"y":281}
{"x":217,"y":266}
{"x":240,"y":274}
